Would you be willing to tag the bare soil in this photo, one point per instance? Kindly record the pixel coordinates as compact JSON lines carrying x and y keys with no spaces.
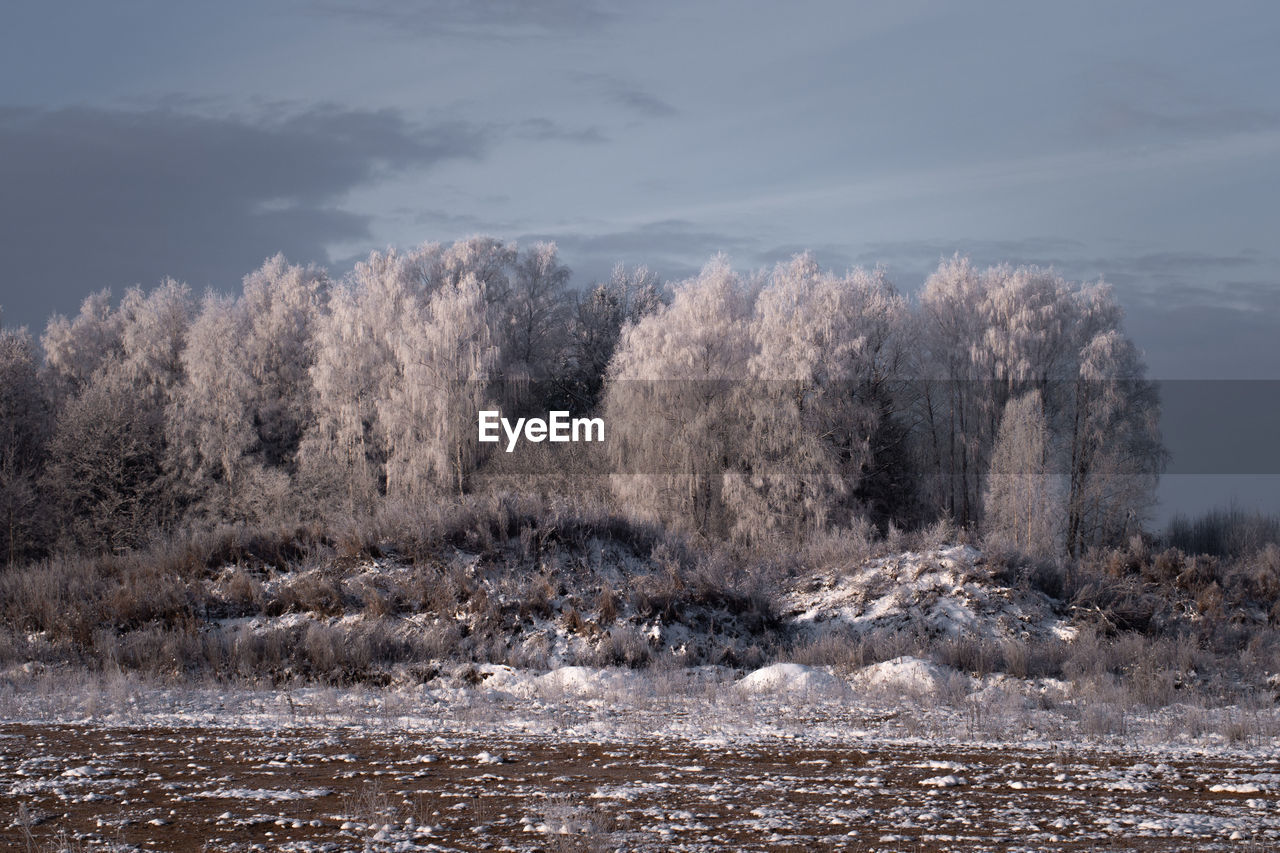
{"x":346,"y":788}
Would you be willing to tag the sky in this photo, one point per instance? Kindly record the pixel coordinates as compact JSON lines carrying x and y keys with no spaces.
{"x":1137,"y":142}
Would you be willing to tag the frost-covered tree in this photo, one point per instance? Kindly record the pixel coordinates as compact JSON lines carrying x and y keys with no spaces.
{"x":994,"y":335}
{"x":106,"y":471}
{"x":954,"y":385}
{"x":747,"y":408}
{"x":340,"y":455}
{"x":236,"y":423}
{"x":1067,"y":341}
{"x":1114,"y":454}
{"x":488,"y":260}
{"x":393,"y":305}
{"x":117,"y":371}
{"x":153,"y":329}
{"x":344,"y":450}
{"x":283,"y":303}
{"x":402,"y":360}
{"x":538,"y":312}
{"x":142,"y":338}
{"x":598,"y":317}
{"x":460,"y":351}
{"x":1027,"y":315}
{"x":671,"y":401}
{"x":444,"y":357}
{"x":1022,"y":501}
{"x":530,"y":328}
{"x":74,"y":349}
{"x":493,"y":265}
{"x":824,"y":347}
{"x":210,"y":424}
{"x":24,"y":427}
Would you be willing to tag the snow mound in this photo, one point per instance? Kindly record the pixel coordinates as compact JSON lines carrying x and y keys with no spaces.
{"x":271,"y":795}
{"x":583,"y":680}
{"x":947,"y":592}
{"x":906,"y":674}
{"x":1228,"y":788}
{"x":792,"y":678}
{"x":84,"y":772}
{"x":948,"y":781}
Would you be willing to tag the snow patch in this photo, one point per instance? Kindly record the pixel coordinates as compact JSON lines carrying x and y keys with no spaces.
{"x":583,"y":681}
{"x":948,"y":781}
{"x":948,"y":592}
{"x":270,"y":795}
{"x":793,"y":678}
{"x":906,"y":674}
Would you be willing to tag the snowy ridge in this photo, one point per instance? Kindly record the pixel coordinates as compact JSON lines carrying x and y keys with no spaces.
{"x":603,"y":606}
{"x":947,"y":592}
{"x":791,"y":678}
{"x":909,"y":675}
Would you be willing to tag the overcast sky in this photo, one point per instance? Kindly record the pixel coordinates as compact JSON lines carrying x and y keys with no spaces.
{"x":1138,"y":142}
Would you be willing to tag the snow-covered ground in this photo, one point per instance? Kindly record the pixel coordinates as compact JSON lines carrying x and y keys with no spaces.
{"x":947,"y":592}
{"x":904,"y":753}
{"x":698,"y":759}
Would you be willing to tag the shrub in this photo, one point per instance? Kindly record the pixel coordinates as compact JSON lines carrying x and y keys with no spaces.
{"x":1231,"y":532}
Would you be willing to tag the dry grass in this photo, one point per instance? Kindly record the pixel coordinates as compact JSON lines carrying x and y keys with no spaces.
{"x":485,"y":570}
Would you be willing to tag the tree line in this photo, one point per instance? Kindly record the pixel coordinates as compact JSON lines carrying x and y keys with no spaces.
{"x":751,"y":407}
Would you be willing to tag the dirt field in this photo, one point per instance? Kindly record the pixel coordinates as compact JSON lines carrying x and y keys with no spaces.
{"x":346,"y":788}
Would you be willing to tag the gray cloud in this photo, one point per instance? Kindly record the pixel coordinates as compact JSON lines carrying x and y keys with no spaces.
{"x":666,"y":238}
{"x":493,"y":19}
{"x":1206,"y":341}
{"x":1120,"y":117}
{"x":453,"y":223}
{"x":627,"y":95}
{"x":831,"y":257}
{"x":1038,"y":250}
{"x":673,"y":248}
{"x":546,"y":130}
{"x":909,"y":262}
{"x":1193,"y":324}
{"x":1184,"y":261}
{"x":1186,"y":277}
{"x":1183,"y":277}
{"x":1133,"y":98}
{"x":107,"y":198}
{"x":1164,"y":281}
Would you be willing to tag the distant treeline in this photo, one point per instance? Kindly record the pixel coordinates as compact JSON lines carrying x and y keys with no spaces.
{"x":759,"y":407}
{"x":1231,"y":532}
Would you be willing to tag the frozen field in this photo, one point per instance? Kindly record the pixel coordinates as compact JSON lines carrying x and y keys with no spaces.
{"x":786,"y":759}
